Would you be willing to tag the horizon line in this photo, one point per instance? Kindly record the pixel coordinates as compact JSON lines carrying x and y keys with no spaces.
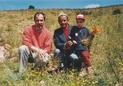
{"x":60,"y":8}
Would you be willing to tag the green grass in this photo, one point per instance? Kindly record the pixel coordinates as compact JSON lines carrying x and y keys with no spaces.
{"x":106,"y":50}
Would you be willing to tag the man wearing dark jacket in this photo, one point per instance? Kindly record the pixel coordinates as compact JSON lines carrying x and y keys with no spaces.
{"x":63,"y":43}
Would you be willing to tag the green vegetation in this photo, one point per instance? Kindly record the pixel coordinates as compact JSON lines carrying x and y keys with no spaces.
{"x":106,"y":50}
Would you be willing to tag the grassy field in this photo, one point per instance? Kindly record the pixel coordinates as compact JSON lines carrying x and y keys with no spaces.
{"x":106,"y":50}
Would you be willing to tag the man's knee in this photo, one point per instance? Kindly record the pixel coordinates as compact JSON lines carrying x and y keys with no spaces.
{"x":23,"y":48}
{"x":85,"y":54}
{"x":74,"y":56}
{"x":57,"y":52}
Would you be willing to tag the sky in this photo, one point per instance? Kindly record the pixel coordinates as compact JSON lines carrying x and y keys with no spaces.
{"x":50,"y":4}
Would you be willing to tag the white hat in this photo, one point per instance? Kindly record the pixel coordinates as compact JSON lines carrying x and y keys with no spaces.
{"x":62,"y":14}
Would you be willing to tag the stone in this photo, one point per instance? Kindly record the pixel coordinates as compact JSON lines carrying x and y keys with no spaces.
{"x":2,"y":54}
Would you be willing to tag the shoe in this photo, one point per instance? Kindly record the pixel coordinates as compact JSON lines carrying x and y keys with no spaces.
{"x":89,"y":70}
{"x":82,"y":73}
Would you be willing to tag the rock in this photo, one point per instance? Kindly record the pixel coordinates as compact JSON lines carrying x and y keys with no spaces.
{"x":2,"y":53}
{"x":8,"y":53}
{"x":7,"y":46}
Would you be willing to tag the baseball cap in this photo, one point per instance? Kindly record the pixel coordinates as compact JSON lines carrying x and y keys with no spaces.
{"x":80,"y":16}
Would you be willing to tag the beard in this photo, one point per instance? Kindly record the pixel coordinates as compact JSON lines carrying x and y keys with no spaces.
{"x":38,"y":28}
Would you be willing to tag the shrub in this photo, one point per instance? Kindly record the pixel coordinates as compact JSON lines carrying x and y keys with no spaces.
{"x":31,"y":7}
{"x":116,"y":11}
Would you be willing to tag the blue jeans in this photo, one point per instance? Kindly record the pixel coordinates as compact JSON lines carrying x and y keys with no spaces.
{"x":67,"y":59}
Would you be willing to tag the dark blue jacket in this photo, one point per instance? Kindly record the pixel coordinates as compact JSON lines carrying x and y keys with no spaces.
{"x":78,"y":34}
{"x":59,"y":38}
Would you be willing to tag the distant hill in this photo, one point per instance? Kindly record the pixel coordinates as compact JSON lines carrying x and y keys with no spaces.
{"x":113,"y":9}
{"x":102,"y":10}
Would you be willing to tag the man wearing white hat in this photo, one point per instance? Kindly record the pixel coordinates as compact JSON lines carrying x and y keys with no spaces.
{"x":62,"y":41}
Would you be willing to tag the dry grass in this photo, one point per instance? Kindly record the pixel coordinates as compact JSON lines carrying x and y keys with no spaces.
{"x":106,"y":50}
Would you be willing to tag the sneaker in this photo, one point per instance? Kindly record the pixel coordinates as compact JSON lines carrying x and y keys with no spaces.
{"x":82,"y":73}
{"x":89,"y":70}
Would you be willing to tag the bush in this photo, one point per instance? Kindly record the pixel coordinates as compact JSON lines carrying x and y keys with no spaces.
{"x":116,"y":11}
{"x":31,"y":7}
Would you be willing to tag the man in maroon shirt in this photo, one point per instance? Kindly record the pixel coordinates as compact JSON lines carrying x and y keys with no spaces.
{"x":36,"y":42}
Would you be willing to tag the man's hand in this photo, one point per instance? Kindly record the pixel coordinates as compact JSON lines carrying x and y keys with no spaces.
{"x":68,"y":44}
{"x":74,"y":42}
{"x":40,"y":52}
{"x":85,"y":42}
{"x":34,"y":49}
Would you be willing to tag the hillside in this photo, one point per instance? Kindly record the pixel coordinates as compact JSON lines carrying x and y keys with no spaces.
{"x":106,"y":50}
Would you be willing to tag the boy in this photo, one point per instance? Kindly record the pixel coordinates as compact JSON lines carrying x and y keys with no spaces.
{"x":81,"y":40}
